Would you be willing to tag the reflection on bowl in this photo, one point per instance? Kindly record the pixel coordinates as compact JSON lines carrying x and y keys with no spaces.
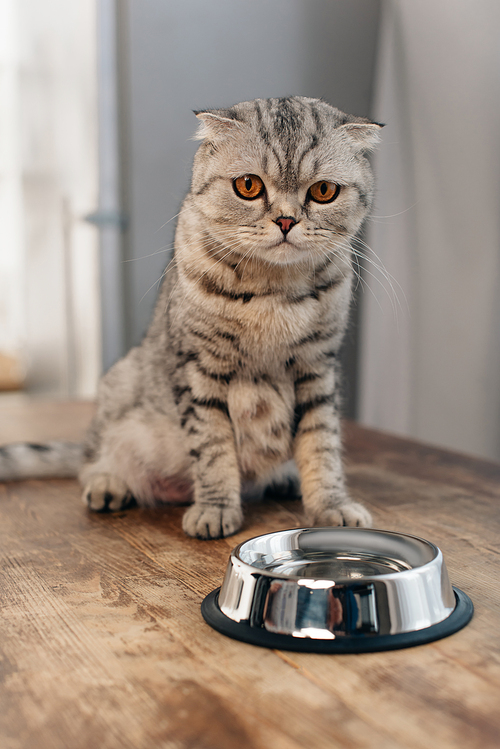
{"x":337,"y":590}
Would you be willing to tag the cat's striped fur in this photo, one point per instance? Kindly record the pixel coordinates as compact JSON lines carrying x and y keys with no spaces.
{"x":238,"y":372}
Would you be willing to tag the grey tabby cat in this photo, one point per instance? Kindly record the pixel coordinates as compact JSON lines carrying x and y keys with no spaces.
{"x":238,"y":372}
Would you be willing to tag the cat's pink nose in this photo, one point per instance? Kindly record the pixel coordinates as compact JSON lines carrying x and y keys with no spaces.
{"x":285,"y":223}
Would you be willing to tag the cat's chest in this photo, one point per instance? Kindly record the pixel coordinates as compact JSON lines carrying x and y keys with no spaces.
{"x":261,"y":412}
{"x":269,"y":328}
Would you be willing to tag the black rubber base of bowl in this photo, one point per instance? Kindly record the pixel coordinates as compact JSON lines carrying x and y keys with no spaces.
{"x":461,"y":615}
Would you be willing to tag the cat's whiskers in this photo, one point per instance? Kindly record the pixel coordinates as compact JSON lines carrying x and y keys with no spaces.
{"x":366,"y":286}
{"x":386,"y":281}
{"x":166,"y":248}
{"x":230,"y":250}
{"x":378,"y":266}
{"x":169,"y":220}
{"x":381,"y":268}
{"x":374,"y":220}
{"x":231,"y":247}
{"x":173,"y":290}
{"x":333,"y":252}
{"x":360,"y":279}
{"x":248,"y":253}
{"x":391,"y":294}
{"x":357,"y":270}
{"x":359,"y":254}
{"x":169,"y":267}
{"x":189,"y":244}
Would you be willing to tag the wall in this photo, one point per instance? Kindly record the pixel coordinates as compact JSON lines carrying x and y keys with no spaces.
{"x":431,"y":368}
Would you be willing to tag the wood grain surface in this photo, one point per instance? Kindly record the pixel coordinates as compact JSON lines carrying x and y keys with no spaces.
{"x":103,"y":645}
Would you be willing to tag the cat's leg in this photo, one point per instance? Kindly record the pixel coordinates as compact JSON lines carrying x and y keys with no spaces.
{"x":103,"y":488}
{"x":139,"y":458}
{"x":216,"y":511}
{"x":318,"y":453}
{"x":106,"y":492}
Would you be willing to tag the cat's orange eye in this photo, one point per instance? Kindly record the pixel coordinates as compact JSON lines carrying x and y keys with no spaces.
{"x":248,"y":187}
{"x":324,"y":192}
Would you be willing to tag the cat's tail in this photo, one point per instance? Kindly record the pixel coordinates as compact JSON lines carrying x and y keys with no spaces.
{"x":30,"y":460}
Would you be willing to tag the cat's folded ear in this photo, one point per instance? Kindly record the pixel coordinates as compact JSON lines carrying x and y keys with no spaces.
{"x":214,"y":126}
{"x":364,"y":136}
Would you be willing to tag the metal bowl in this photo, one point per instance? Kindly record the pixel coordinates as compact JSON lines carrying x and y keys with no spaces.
{"x":337,"y":590}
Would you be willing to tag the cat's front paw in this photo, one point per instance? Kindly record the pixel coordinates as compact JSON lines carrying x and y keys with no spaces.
{"x":347,"y":514}
{"x":206,"y":521}
{"x":107,"y":493}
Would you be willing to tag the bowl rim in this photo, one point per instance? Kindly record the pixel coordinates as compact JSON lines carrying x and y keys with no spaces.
{"x":437,"y":554}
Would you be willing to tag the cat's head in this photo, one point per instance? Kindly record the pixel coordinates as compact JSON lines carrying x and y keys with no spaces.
{"x":283,"y":180}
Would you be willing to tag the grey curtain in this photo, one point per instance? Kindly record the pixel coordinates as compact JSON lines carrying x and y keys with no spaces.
{"x":430,"y":362}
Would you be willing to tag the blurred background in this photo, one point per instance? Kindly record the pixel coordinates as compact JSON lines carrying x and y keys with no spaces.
{"x":96,"y":100}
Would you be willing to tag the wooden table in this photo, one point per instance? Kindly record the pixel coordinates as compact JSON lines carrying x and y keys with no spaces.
{"x":103,"y":645}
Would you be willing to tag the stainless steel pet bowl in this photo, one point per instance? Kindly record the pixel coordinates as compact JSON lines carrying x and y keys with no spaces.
{"x":337,"y":590}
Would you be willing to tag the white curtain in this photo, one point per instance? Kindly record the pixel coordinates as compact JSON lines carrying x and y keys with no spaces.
{"x":430,"y":368}
{"x":49,"y":293}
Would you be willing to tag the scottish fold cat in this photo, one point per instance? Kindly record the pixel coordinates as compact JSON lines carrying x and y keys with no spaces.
{"x":235,"y":387}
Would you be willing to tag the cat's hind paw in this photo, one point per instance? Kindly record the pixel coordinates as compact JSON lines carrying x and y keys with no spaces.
{"x":352,"y":514}
{"x":211,"y":521}
{"x":107,"y":493}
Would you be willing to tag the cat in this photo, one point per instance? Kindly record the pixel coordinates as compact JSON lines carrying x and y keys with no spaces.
{"x":235,"y":387}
